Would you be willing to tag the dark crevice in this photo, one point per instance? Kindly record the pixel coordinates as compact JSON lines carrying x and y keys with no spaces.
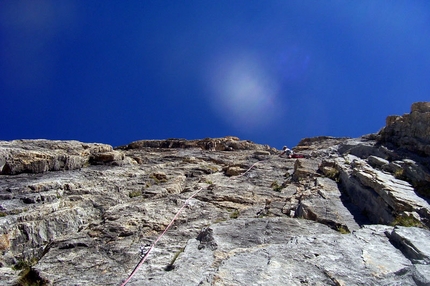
{"x":30,"y":276}
{"x":359,"y":214}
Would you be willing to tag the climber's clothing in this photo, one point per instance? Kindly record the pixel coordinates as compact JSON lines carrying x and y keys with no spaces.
{"x":287,"y":151}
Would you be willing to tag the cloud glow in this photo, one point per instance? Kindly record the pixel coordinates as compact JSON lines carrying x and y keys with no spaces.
{"x":242,"y":92}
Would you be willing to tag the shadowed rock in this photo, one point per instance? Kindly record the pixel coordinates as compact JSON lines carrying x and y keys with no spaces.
{"x":354,"y":211}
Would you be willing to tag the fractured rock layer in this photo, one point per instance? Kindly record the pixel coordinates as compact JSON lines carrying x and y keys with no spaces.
{"x":350,"y":212}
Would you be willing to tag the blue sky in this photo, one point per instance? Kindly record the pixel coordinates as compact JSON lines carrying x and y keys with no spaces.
{"x":273,"y":72}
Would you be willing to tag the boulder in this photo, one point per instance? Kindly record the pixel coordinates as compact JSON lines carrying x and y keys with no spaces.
{"x":377,"y":162}
{"x":106,"y":157}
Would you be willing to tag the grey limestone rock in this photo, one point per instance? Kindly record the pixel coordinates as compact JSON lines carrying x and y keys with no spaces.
{"x":285,"y":251}
{"x":351,"y":212}
{"x":39,"y":156}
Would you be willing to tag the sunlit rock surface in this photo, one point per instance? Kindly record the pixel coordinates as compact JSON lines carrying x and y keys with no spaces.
{"x":352,"y":211}
{"x":410,"y":131}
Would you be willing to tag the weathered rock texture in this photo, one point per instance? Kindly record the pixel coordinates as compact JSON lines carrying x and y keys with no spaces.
{"x":351,"y":212}
{"x":410,"y":131}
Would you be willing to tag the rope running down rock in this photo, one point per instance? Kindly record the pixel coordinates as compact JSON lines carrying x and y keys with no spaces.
{"x":143,"y":259}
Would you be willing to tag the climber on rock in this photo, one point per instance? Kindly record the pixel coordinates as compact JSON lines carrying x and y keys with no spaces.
{"x":287,"y":151}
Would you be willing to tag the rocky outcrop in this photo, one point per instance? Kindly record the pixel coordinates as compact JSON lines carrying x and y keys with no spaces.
{"x":352,"y":211}
{"x":228,"y":143}
{"x":39,"y":156}
{"x":379,"y":194}
{"x":410,"y":131}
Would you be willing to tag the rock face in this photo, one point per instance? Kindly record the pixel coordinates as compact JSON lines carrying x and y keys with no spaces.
{"x":410,"y":131}
{"x":351,"y":212}
{"x":39,"y":156}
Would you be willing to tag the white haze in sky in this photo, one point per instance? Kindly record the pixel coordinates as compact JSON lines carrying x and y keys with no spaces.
{"x":242,"y":91}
